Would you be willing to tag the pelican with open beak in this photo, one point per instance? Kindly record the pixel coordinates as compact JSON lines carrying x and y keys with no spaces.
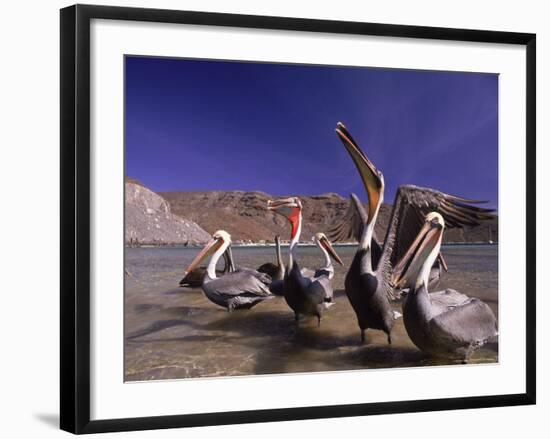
{"x":365,"y":284}
{"x":240,"y":289}
{"x":456,"y":330}
{"x":309,"y":296}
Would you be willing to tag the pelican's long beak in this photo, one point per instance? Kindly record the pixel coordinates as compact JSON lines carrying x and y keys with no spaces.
{"x":209,"y":249}
{"x":372,"y":178}
{"x":407,"y":269}
{"x":330,"y":249}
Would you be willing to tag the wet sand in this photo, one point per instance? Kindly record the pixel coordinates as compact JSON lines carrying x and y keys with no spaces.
{"x":173,"y":332}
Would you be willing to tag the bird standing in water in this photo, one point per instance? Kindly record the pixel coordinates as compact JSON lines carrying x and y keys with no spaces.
{"x":453,"y":329}
{"x":305,"y":295}
{"x":240,"y":289}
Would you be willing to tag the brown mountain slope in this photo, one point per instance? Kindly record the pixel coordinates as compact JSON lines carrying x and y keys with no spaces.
{"x":245,"y":217}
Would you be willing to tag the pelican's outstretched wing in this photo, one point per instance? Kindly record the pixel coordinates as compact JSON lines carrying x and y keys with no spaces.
{"x":411,"y":205}
{"x":351,"y":226}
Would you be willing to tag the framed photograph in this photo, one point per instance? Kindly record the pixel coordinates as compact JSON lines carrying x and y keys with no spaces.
{"x":274,"y":218}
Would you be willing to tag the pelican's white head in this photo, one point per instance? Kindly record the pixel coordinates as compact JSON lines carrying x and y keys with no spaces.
{"x":324,"y":244}
{"x":215,"y":247}
{"x":413,"y":269}
{"x":223,"y":236}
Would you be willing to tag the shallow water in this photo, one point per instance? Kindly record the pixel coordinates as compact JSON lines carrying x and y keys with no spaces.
{"x":174,"y":332}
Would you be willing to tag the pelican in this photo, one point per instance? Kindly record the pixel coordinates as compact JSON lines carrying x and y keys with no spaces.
{"x":305,"y":295}
{"x":457,"y":328}
{"x":323,"y":243}
{"x":351,"y":227}
{"x":368,"y":281}
{"x":194,"y":278}
{"x":235,"y":290}
{"x":275,"y":271}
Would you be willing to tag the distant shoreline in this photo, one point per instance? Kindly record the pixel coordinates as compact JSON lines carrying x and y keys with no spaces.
{"x":302,"y":244}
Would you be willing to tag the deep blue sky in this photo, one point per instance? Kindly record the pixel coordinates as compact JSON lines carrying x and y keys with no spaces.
{"x":213,"y":125}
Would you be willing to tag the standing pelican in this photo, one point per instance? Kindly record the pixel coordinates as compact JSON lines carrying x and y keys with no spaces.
{"x":368,"y":281}
{"x":305,"y":295}
{"x":238,"y":289}
{"x":452,"y":329}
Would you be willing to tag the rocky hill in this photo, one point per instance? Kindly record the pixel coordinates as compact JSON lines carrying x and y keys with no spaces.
{"x":150,"y":221}
{"x":245,"y":217}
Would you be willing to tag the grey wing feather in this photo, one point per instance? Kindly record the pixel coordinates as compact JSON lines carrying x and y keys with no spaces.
{"x":320,"y":289}
{"x":473,"y":322}
{"x":262,"y":277}
{"x":350,"y":228}
{"x":412,"y":204}
{"x":445,"y":300}
{"x":307,"y":272}
{"x":238,"y":283}
{"x":325,"y":283}
{"x":351,"y":225}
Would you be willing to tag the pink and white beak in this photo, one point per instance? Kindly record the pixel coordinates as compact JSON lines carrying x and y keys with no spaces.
{"x":325,"y":243}
{"x":290,"y":208}
{"x":408,"y":268}
{"x":209,"y":249}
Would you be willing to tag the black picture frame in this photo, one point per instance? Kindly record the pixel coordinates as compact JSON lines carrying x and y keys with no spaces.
{"x":75,"y":217}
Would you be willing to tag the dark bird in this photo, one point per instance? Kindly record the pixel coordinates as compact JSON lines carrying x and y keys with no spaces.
{"x":275,"y":271}
{"x":368,"y":281}
{"x":239,"y":289}
{"x":446,"y":323}
{"x":194,"y":278}
{"x":309,"y":296}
